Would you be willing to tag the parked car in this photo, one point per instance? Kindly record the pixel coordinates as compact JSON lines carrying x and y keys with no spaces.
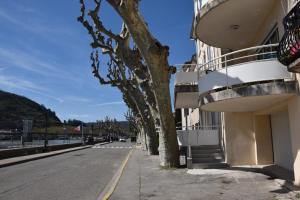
{"x":122,"y":140}
{"x":89,"y":140}
{"x":133,"y":139}
{"x":100,"y":139}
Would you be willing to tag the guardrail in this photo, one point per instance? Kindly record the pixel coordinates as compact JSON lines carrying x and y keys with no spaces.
{"x":37,"y":140}
{"x":18,"y":140}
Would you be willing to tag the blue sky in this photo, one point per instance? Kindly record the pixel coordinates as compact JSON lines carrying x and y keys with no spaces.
{"x":44,"y":53}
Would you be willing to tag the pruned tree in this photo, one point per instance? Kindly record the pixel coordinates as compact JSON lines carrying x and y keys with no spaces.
{"x":147,"y":61}
{"x":132,"y":122}
{"x":135,"y":127}
{"x":132,"y":96}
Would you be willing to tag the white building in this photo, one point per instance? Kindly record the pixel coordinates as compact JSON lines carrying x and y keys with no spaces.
{"x":242,"y":79}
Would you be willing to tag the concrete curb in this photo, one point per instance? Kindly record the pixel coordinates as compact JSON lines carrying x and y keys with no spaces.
{"x":111,"y":186}
{"x":23,"y":159}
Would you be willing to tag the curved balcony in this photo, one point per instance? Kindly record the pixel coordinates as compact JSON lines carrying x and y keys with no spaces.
{"x":232,"y":24}
{"x":186,"y":89}
{"x":245,"y":80}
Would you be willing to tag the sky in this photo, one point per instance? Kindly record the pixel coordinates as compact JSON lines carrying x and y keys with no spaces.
{"x":45,"y":53}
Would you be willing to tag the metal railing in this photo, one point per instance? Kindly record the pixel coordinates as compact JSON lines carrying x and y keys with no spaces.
{"x":242,"y":56}
{"x":257,"y":53}
{"x":197,"y":127}
{"x":9,"y":141}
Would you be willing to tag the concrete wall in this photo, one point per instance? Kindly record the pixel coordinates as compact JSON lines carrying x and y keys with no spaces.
{"x":240,"y":139}
{"x":247,"y":139}
{"x":275,"y":17}
{"x":9,"y":153}
{"x":294,"y":116}
{"x":194,"y":117}
{"x":186,"y":120}
{"x":291,"y":4}
{"x":263,"y":138}
{"x":198,"y":137}
{"x":282,"y":140}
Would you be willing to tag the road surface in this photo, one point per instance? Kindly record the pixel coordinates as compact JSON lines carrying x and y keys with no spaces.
{"x":76,"y":175}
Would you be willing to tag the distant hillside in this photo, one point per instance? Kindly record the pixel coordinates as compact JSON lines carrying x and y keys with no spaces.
{"x":15,"y":108}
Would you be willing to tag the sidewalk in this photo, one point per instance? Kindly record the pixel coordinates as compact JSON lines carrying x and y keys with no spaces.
{"x":144,"y":179}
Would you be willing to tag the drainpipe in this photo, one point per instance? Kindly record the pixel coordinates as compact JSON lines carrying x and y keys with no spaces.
{"x":189,"y":155}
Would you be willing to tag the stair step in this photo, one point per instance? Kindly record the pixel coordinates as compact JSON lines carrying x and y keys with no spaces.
{"x":208,"y":156}
{"x":205,"y":147}
{"x":210,"y":165}
{"x":207,"y":160}
{"x":213,"y":155}
{"x":206,"y":151}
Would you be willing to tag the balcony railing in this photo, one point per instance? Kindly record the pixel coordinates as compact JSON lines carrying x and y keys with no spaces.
{"x":196,"y":127}
{"x":257,"y":53}
{"x":250,"y":65}
{"x":185,"y":74}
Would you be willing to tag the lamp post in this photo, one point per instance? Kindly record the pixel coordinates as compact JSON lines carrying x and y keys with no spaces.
{"x":65,"y":135}
{"x":81,"y":128}
{"x":46,"y":132}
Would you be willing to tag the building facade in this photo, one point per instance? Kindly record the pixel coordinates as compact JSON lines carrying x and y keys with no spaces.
{"x":238,"y":83}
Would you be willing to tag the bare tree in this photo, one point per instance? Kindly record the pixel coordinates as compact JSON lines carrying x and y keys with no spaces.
{"x":132,"y":122}
{"x":148,"y":61}
{"x":135,"y":126}
{"x":133,"y":97}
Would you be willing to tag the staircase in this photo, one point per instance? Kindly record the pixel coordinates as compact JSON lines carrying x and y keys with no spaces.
{"x":207,"y":156}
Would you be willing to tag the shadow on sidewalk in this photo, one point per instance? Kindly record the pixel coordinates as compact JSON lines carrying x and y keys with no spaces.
{"x":143,"y":178}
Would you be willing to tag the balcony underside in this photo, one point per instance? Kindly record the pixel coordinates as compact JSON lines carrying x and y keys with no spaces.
{"x":187,"y":100}
{"x":186,"y":96}
{"x":232,"y":23}
{"x":249,"y":98}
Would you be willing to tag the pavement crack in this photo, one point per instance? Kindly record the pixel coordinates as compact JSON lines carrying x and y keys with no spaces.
{"x":13,"y":189}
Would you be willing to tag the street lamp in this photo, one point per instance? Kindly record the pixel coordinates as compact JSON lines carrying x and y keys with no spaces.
{"x":46,"y":132}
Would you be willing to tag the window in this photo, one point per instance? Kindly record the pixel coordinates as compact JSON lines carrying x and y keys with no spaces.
{"x":272,"y":38}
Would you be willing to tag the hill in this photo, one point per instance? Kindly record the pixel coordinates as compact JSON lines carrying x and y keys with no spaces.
{"x":15,"y":108}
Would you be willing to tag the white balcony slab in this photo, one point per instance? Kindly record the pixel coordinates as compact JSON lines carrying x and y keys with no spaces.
{"x":264,"y":70}
{"x":187,"y":100}
{"x":185,"y":78}
{"x":232,"y":23}
{"x":198,"y":137}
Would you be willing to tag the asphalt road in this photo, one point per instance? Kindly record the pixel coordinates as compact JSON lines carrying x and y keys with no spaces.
{"x":76,"y":175}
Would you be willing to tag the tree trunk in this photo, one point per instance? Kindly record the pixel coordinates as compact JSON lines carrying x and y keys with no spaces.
{"x":143,"y":139}
{"x":138,"y":103}
{"x":156,"y":58}
{"x":151,"y":137}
